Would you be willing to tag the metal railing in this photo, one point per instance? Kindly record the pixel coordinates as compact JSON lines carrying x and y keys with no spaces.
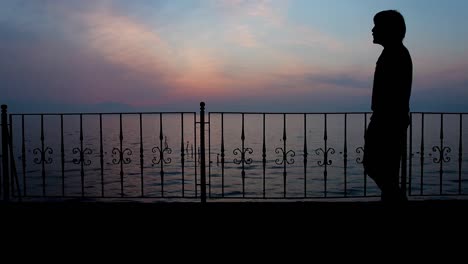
{"x":283,"y":157}
{"x":110,"y":157}
{"x":248,"y":155}
{"x":439,"y":154}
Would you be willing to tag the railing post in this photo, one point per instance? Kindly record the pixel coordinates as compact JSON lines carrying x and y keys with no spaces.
{"x":5,"y":159}
{"x":202,"y":153}
{"x":404,"y":155}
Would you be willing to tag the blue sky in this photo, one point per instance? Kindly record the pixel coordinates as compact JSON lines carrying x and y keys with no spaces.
{"x":285,"y":55}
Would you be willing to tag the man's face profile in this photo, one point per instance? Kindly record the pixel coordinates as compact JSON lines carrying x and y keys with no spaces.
{"x":377,"y":34}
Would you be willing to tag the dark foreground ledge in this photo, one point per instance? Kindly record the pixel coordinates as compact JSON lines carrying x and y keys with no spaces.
{"x":222,"y":217}
{"x":221,"y":204}
{"x":309,"y":207}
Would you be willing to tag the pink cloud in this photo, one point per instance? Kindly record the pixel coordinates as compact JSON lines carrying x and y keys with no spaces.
{"x":313,"y":38}
{"x":433,"y":72}
{"x":243,"y":36}
{"x":269,"y":11}
{"x":125,"y":42}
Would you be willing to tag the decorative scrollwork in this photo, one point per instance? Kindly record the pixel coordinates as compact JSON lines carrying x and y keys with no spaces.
{"x":165,"y":142}
{"x":86,"y":151}
{"x":237,"y":151}
{"x":442,"y":154}
{"x":285,"y":156}
{"x":325,"y":161}
{"x":121,"y":159}
{"x":157,"y":160}
{"x":360,"y":150}
{"x":42,"y":154}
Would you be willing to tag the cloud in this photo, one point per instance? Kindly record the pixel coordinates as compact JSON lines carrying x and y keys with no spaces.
{"x":56,"y":70}
{"x":272,"y":13}
{"x":451,"y":75}
{"x":267,"y":10}
{"x":243,"y":36}
{"x":125,"y":42}
{"x":313,"y":38}
{"x":346,"y":80}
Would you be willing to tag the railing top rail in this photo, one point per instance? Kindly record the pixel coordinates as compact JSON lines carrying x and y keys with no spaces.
{"x":290,"y":113}
{"x":217,"y":113}
{"x":438,"y":113}
{"x":108,"y":113}
{"x":331,"y":113}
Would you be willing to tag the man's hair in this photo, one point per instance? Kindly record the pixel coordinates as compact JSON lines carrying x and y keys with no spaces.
{"x":393,"y":23}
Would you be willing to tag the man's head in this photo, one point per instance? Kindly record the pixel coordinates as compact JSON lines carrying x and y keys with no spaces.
{"x":389,"y":27}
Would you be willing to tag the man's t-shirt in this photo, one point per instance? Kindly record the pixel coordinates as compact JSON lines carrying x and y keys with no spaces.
{"x":392,"y":83}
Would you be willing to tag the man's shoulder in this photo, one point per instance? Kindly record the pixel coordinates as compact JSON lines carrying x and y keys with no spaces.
{"x":406,"y":55}
{"x":397,"y":55}
{"x":405,"y":50}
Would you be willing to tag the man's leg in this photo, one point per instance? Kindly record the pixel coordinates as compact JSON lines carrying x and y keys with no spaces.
{"x":372,"y":155}
{"x":390,"y":169}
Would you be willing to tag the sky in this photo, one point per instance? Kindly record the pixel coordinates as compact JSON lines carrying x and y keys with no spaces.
{"x":235,"y":55}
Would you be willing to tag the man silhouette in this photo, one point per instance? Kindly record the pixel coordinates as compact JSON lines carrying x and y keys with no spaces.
{"x":391,"y":91}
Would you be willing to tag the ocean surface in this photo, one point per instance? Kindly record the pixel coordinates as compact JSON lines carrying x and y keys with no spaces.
{"x":53,"y":166}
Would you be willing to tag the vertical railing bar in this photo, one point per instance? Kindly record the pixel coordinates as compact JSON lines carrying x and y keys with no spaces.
{"x":209,"y":155}
{"x":422,"y":155}
{"x":142,"y":190}
{"x":43,"y":156}
{"x":2,"y":158}
{"x":325,"y":172}
{"x":305,"y":155}
{"x":222,"y":154}
{"x":410,"y":172}
{"x":345,"y":155}
{"x":81,"y":156}
{"x":62,"y":154}
{"x":1,"y":164}
{"x":6,"y":198}
{"x":12,"y":159}
{"x":121,"y":159}
{"x":264,"y":158}
{"x":182,"y":154}
{"x":202,"y":153}
{"x":161,"y":137}
{"x":5,"y":154}
{"x":460,"y":155}
{"x":101,"y":155}
{"x":365,"y":133}
{"x":441,"y":152}
{"x":14,"y":172}
{"x":195,"y":160}
{"x":243,"y":157}
{"x":284,"y":156}
{"x":23,"y":155}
